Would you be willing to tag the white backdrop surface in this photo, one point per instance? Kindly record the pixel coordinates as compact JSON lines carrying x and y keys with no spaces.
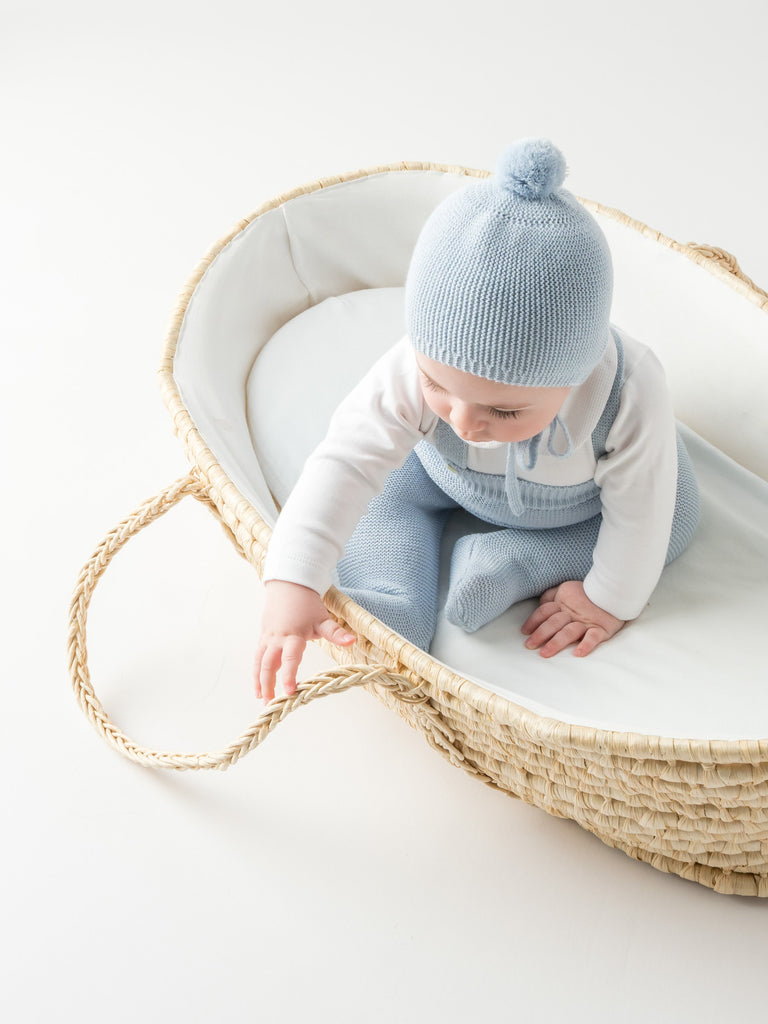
{"x":341,"y":872}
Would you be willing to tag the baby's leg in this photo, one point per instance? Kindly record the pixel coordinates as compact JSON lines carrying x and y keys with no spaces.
{"x":492,"y":571}
{"x":687,"y":504}
{"x":390,"y":565}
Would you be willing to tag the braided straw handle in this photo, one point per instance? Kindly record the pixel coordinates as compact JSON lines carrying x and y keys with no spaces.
{"x":728,"y":261}
{"x":335,"y":681}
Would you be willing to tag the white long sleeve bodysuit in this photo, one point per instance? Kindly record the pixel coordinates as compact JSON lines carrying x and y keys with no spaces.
{"x":380,"y":422}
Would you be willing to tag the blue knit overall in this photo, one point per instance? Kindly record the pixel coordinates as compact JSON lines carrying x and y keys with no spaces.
{"x":391,"y":563}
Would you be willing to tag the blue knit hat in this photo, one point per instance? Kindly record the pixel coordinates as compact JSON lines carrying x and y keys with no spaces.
{"x":511,"y":278}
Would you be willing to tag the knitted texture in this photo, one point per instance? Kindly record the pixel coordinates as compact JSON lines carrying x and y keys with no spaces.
{"x":492,"y":571}
{"x":391,"y":564}
{"x":687,"y":504}
{"x":511,"y":278}
{"x":537,"y":505}
{"x":544,"y":506}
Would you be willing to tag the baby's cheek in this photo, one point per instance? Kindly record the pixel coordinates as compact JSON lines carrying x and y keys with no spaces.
{"x":521,"y":429}
{"x":436,"y":403}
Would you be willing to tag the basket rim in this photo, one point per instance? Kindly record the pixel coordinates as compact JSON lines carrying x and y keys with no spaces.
{"x":253,"y":533}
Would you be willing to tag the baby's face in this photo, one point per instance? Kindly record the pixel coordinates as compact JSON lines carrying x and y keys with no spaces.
{"x":483,"y":410}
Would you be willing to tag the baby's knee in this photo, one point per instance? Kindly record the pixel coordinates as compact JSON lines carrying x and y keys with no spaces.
{"x":412,"y":615}
{"x":416,"y":623}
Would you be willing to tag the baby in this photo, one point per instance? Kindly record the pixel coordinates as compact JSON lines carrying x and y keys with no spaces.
{"x":512,"y":396}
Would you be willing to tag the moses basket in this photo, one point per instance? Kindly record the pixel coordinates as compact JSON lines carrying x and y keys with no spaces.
{"x":656,"y":742}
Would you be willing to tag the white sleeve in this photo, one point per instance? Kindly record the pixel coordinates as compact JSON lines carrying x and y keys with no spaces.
{"x":638,"y":481}
{"x":370,"y":434}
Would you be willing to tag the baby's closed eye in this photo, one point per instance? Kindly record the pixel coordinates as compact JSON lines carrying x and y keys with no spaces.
{"x":430,"y":384}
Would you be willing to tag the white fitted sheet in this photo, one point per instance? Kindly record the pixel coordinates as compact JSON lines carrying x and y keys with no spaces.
{"x":694,"y":664}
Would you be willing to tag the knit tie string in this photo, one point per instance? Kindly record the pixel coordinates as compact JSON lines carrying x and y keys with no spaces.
{"x":527,"y":454}
{"x":552,"y":439}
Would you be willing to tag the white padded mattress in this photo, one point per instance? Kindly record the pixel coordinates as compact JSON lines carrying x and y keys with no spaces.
{"x":692,"y":665}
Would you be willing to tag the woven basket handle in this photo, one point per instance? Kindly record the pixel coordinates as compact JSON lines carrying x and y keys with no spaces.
{"x":335,"y":681}
{"x":728,"y":261}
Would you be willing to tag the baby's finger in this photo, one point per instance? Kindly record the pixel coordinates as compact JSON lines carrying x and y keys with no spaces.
{"x":270,"y":664}
{"x":330,"y":630}
{"x":591,"y":639}
{"x":570,"y":633}
{"x":541,"y":614}
{"x":257,"y":659}
{"x":548,"y":629}
{"x":292,"y":654}
{"x":548,"y":595}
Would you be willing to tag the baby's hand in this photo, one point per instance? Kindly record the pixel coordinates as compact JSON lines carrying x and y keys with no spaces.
{"x":566,"y":616}
{"x":293,"y":615}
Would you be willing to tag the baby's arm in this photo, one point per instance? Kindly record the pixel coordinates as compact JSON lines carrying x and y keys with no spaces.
{"x":370,"y":434}
{"x":293,"y":615}
{"x":637,"y":479}
{"x":566,"y":616}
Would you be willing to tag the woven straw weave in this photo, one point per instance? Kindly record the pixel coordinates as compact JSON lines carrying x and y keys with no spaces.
{"x":695,"y":808}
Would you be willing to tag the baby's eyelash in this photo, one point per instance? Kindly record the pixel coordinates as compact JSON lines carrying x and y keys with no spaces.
{"x":502,"y":414}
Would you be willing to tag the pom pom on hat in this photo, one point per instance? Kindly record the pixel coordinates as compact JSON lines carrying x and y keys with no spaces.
{"x":531,"y":168}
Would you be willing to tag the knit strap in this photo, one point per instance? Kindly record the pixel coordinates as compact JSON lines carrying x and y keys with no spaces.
{"x":611,"y":410}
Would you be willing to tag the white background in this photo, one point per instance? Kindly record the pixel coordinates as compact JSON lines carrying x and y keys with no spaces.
{"x":342,"y":871}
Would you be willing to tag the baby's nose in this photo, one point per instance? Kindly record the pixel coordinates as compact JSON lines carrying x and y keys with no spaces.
{"x":464,"y":418}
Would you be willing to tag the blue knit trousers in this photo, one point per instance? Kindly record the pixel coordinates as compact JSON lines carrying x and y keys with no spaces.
{"x":391,"y":564}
